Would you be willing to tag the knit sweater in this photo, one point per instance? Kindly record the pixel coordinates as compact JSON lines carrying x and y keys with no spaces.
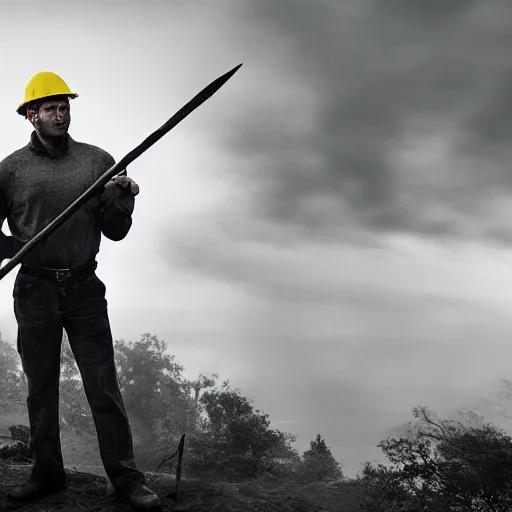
{"x":36,"y":187}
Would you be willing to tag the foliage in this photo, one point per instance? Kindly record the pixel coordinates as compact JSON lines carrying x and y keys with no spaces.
{"x":12,"y":379}
{"x":153,"y":389}
{"x":445,"y":466}
{"x":75,"y":413}
{"x":319,"y":465}
{"x":235,"y":441}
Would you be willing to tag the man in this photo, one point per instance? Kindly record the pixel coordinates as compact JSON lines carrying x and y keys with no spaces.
{"x":57,"y":288}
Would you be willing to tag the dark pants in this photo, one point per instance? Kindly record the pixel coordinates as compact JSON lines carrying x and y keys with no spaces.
{"x":43,"y":309}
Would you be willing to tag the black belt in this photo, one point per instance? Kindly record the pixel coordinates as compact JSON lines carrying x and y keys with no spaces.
{"x":60,"y":274}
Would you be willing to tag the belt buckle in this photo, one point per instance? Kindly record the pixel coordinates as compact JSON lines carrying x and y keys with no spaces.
{"x":62,"y":274}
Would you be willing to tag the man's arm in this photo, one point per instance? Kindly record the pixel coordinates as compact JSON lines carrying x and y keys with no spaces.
{"x":115,"y":221}
{"x":118,"y":201}
{"x":9,"y":246}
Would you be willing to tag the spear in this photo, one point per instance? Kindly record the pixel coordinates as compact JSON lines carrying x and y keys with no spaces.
{"x":195,"y":102}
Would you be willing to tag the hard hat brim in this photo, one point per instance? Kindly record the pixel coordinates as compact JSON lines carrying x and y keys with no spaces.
{"x":22,"y":108}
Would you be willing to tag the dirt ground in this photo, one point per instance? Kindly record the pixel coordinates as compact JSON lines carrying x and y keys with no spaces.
{"x":87,"y":492}
{"x":87,"y":489}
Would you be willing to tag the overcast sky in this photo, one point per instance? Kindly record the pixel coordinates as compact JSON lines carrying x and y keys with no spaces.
{"x":331,"y":231}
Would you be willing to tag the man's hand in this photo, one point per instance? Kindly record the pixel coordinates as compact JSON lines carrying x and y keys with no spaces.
{"x":124,"y":186}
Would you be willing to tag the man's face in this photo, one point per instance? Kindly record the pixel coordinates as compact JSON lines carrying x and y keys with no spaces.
{"x":52,"y":119}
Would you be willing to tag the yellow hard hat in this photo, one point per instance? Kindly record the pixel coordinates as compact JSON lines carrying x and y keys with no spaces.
{"x":43,"y":85}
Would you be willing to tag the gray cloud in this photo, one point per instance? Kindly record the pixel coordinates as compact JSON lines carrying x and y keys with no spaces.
{"x":379,"y":77}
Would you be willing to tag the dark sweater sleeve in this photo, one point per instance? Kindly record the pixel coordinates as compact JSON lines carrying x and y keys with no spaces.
{"x":9,"y":246}
{"x":4,"y":200}
{"x":4,"y":211}
{"x":115,"y":221}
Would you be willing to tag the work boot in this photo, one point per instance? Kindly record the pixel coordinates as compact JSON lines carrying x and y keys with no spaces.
{"x":141,"y":498}
{"x":32,"y":491}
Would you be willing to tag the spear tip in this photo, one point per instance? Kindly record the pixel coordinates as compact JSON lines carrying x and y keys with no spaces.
{"x":236,"y":68}
{"x":224,"y":78}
